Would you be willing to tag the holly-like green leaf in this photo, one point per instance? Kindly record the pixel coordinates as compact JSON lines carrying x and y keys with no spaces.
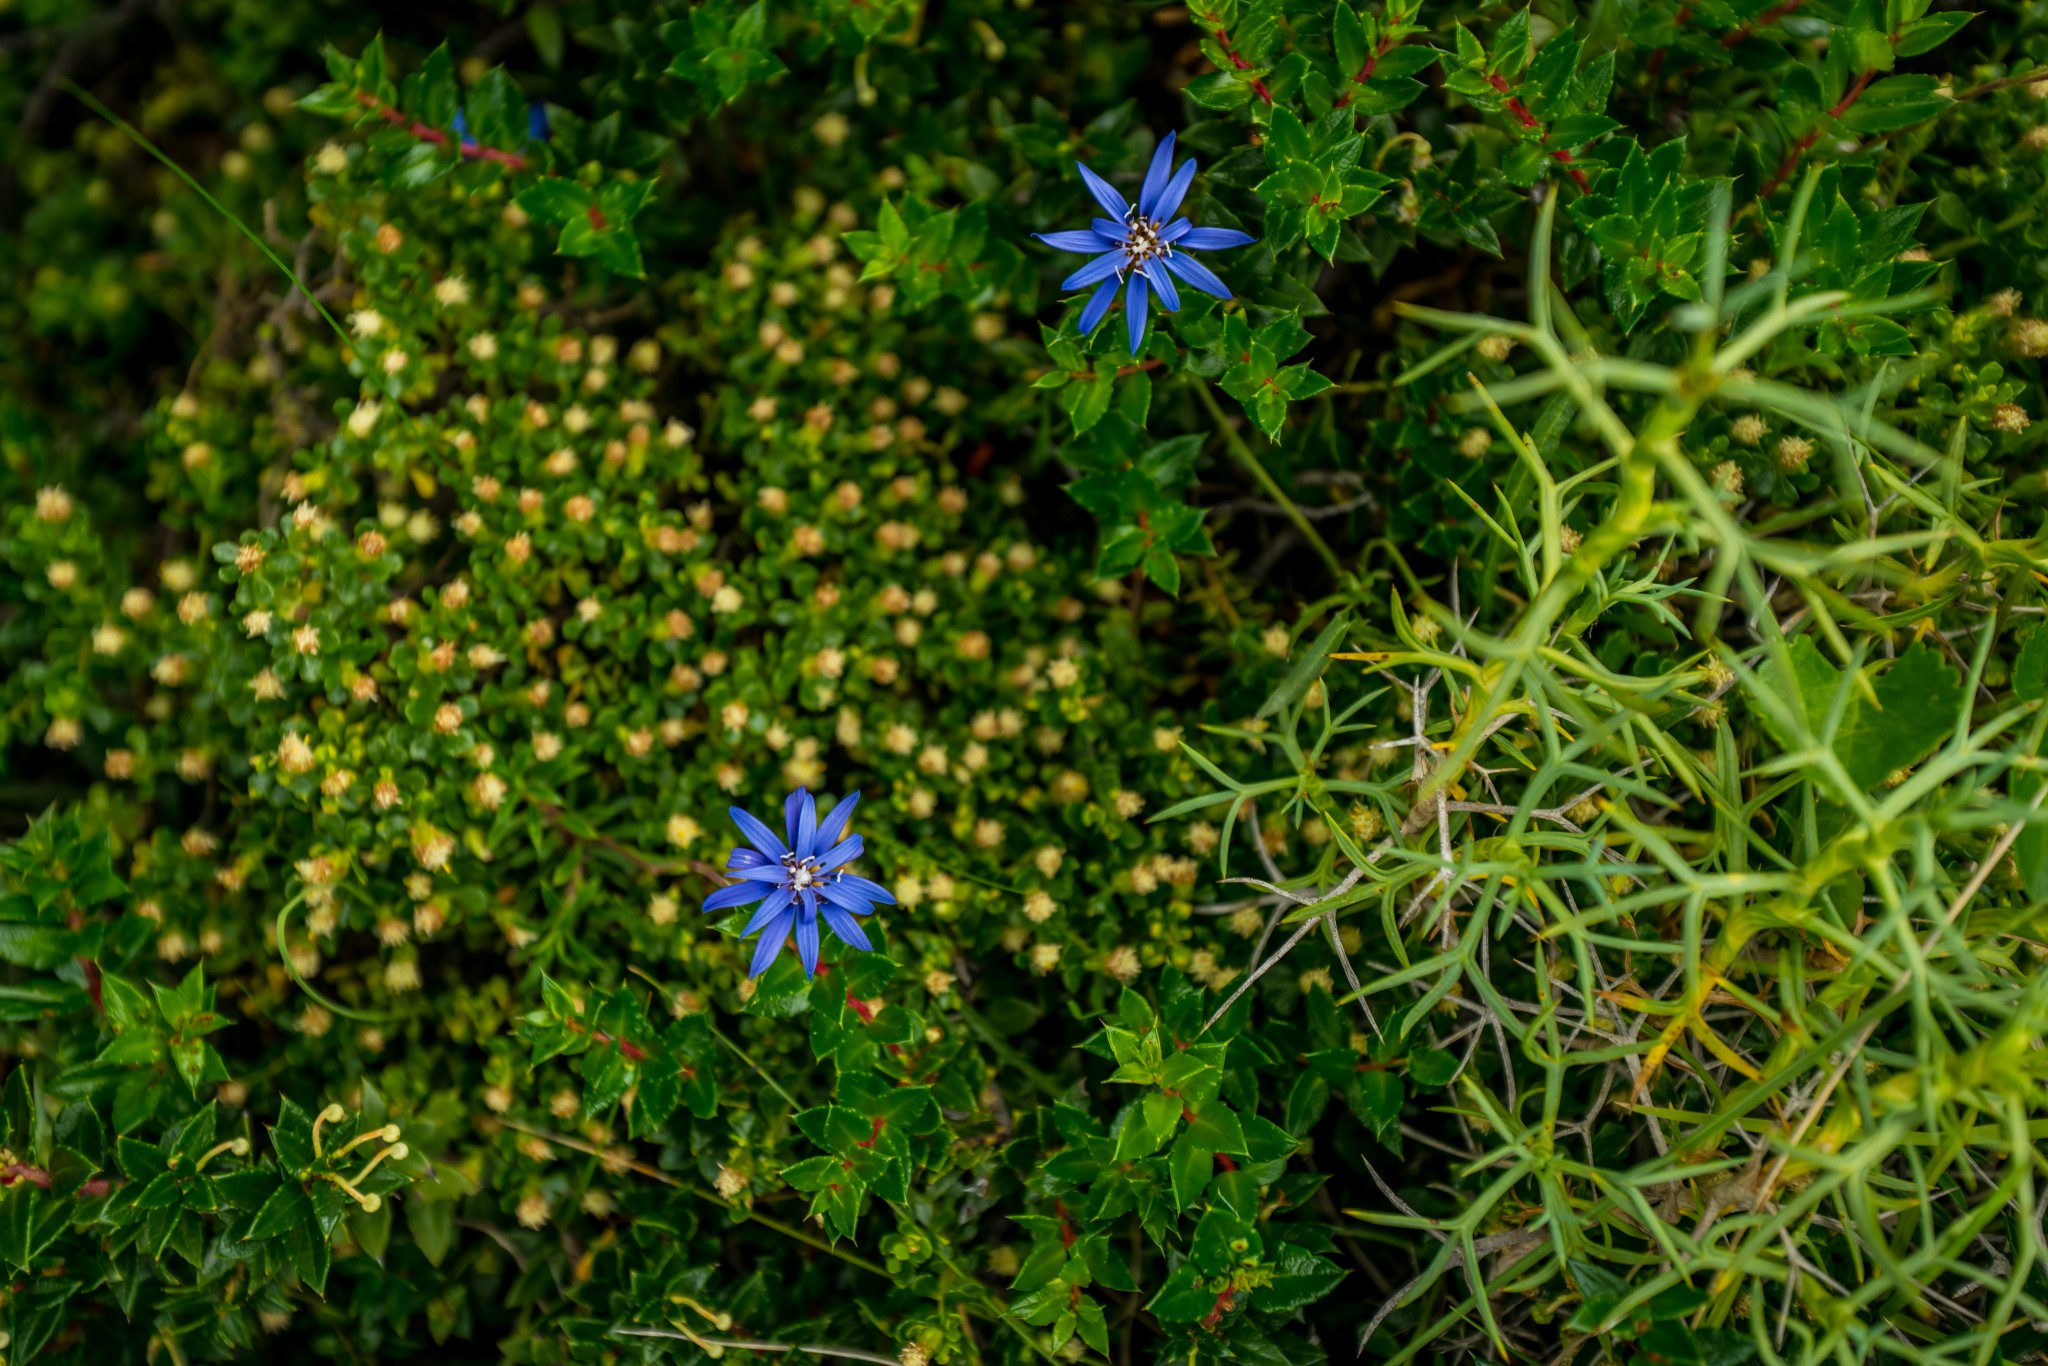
{"x":1917,"y":700}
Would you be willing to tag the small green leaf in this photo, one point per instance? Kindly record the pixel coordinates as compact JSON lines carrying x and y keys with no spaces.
{"x":286,"y":1209}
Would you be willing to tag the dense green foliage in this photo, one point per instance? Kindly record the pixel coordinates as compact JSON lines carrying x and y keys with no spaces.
{"x":1482,"y":799}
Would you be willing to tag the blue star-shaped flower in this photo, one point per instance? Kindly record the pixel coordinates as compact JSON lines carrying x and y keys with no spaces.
{"x":799,"y":881}
{"x":1139,"y":243}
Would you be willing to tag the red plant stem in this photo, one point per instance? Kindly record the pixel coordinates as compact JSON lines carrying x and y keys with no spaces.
{"x":630,"y":1051}
{"x":1122,"y":371}
{"x":1764,"y":20}
{"x":1241,"y":64}
{"x":1365,"y":72}
{"x":1220,"y":1308}
{"x":21,"y":1171}
{"x":867,"y":1016}
{"x":89,"y":968}
{"x":1528,"y":120}
{"x":511,"y":161}
{"x":1656,"y":62}
{"x":1799,"y":149}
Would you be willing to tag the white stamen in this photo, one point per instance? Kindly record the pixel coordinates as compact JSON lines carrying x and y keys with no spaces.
{"x":1141,"y":243}
{"x":802,"y":872}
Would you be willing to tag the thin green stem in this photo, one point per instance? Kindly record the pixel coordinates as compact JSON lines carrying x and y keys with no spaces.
{"x":1009,"y":1055}
{"x":1247,"y":458}
{"x":759,"y":1071}
{"x":720,"y":1035}
{"x":335,"y":1007}
{"x":711,"y":1197}
{"x":85,"y":97}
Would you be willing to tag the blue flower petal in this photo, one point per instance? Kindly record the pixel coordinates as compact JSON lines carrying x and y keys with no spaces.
{"x":1197,"y":274}
{"x":1105,"y":193}
{"x":1117,"y":233}
{"x":845,"y":898}
{"x":1080,"y":239}
{"x":1092,"y":315}
{"x":1177,"y":229}
{"x":846,"y":851}
{"x":761,"y":872}
{"x":739,"y":894}
{"x":846,"y":928}
{"x":1214,"y":239}
{"x":1137,"y":310}
{"x":781,"y":900}
{"x":807,"y":942}
{"x":1162,"y":283}
{"x":771,"y":942}
{"x":790,"y":806}
{"x":861,"y":887}
{"x":806,"y":842}
{"x":1155,"y":177}
{"x":1101,"y":267}
{"x":833,"y":828}
{"x":744,"y":856}
{"x":758,"y":835}
{"x":1176,"y":190}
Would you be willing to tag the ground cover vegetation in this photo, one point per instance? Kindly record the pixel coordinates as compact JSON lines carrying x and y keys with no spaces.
{"x":1435,"y":613}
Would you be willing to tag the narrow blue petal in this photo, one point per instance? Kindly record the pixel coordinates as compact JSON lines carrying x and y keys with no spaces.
{"x":781,"y":900}
{"x":1105,"y":193}
{"x":1197,"y":274}
{"x":1169,"y":297}
{"x":745,"y":857}
{"x":1177,"y":229}
{"x":537,"y":121}
{"x":846,"y":851}
{"x":758,"y":835}
{"x":461,"y":124}
{"x":771,"y":943}
{"x":1176,"y":190}
{"x":1092,"y":315}
{"x":1117,"y":233}
{"x":790,"y":806}
{"x":833,"y":828}
{"x":1155,"y":177}
{"x":861,"y":887}
{"x":739,"y":894}
{"x":846,"y":898}
{"x":846,"y":928}
{"x":1100,"y":268}
{"x":770,"y":873}
{"x":806,"y":843}
{"x":807,"y":943}
{"x":1080,"y":239}
{"x":1137,"y":310}
{"x":1214,"y":239}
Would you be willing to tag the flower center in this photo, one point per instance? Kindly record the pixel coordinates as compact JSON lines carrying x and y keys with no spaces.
{"x":802,"y":872}
{"x":1141,"y":242}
